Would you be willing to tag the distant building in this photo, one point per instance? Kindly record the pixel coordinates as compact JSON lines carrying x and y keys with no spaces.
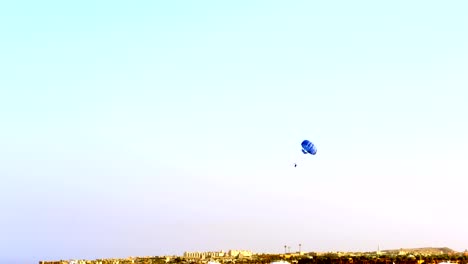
{"x":240,"y":253}
{"x":204,"y":255}
{"x":218,"y":254}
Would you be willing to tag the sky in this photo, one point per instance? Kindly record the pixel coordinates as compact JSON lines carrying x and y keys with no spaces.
{"x":136,"y":128}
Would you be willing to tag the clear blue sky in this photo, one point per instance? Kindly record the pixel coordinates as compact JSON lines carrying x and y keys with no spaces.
{"x":155,"y":127}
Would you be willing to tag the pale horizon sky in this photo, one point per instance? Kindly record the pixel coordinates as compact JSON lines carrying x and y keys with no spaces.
{"x":154,"y":128}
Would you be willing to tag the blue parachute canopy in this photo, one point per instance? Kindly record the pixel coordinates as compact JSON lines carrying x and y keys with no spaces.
{"x":308,"y":147}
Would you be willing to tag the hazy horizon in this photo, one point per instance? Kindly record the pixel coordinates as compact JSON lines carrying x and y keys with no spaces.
{"x":154,"y":128}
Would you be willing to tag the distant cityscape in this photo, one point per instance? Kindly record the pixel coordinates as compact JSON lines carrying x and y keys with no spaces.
{"x":428,"y":255}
